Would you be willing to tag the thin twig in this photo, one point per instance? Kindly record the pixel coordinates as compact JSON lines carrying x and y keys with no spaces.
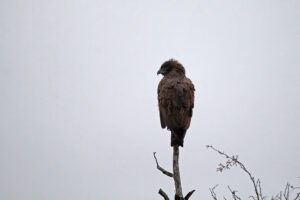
{"x":233,"y":192}
{"x":212,"y":192}
{"x":298,"y":196}
{"x":189,"y":195}
{"x":163,"y":194}
{"x":286,"y":192}
{"x":160,"y":168}
{"x":252,"y":197}
{"x":260,"y":190}
{"x":233,"y":160}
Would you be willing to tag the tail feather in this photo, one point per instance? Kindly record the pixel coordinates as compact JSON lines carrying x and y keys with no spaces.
{"x":177,"y":137}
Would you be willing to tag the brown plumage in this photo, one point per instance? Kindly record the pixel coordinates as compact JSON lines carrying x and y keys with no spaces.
{"x":175,"y":100}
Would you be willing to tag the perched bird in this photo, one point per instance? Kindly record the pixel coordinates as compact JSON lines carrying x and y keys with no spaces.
{"x":175,"y":100}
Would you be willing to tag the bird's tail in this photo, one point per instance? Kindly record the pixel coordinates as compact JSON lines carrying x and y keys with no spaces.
{"x":177,"y":137}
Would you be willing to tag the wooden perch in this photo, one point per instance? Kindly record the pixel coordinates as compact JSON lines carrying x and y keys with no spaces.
{"x":175,"y":175}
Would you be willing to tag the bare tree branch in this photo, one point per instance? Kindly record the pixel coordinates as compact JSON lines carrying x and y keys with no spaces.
{"x":252,"y":197}
{"x":233,"y":160}
{"x":298,"y":196}
{"x":233,"y":192}
{"x":160,"y":168}
{"x":260,"y":190}
{"x":163,"y":194}
{"x":213,"y":194}
{"x":176,"y":173}
{"x":286,"y":192}
{"x":189,"y":195}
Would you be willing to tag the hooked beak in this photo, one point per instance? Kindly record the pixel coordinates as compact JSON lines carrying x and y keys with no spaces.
{"x":160,"y":71}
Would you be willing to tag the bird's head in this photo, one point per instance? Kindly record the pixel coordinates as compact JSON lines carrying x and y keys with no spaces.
{"x":171,"y":66}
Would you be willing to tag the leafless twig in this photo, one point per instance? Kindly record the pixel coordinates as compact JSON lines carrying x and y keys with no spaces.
{"x":163,"y":194}
{"x":297,"y":196}
{"x":233,"y":192}
{"x":160,"y":168}
{"x":189,"y":195}
{"x":213,"y":194}
{"x":233,"y":161}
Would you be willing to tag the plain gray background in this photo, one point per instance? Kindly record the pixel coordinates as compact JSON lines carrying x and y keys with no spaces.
{"x":79,"y":117}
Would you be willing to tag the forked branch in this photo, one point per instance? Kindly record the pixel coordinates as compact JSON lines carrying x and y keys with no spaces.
{"x":165,"y":172}
{"x":175,"y":175}
{"x":233,"y":161}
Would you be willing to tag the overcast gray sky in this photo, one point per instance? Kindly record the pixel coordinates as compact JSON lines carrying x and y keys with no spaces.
{"x":79,"y":117}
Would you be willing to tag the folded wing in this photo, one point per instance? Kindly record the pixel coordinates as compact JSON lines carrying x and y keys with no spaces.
{"x":176,"y":103}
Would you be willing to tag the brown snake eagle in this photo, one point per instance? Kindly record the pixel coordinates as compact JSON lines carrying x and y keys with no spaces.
{"x":175,"y":100}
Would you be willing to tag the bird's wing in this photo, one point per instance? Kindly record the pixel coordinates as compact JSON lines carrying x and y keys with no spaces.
{"x":160,"y":96}
{"x":162,"y":120}
{"x":190,"y":96}
{"x":176,"y":99}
